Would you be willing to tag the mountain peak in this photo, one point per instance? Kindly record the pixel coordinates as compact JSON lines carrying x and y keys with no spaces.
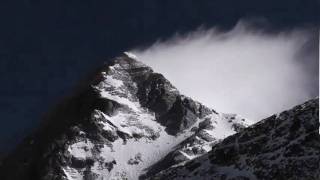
{"x":127,"y":60}
{"x":127,"y":120}
{"x":130,"y":55}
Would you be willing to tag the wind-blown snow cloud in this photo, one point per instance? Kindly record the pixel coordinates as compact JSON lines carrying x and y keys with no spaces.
{"x":245,"y":70}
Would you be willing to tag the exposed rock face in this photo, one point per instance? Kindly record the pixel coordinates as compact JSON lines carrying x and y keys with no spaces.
{"x":125,"y":120}
{"x":283,"y":146}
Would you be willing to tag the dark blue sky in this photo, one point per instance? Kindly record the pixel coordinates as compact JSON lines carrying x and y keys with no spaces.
{"x":47,"y":47}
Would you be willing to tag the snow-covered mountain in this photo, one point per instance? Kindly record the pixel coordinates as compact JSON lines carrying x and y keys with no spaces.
{"x":127,"y":119}
{"x":129,"y":122}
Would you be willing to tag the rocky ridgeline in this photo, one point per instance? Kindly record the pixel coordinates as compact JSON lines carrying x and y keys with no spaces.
{"x":283,"y":146}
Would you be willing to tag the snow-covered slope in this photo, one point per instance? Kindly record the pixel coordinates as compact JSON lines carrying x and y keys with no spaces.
{"x":283,"y":146}
{"x":125,"y":123}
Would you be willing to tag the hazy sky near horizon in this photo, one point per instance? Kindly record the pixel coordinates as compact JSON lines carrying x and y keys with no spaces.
{"x":245,"y":70}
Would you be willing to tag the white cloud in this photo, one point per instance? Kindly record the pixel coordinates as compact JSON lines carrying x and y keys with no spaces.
{"x":244,"y":71}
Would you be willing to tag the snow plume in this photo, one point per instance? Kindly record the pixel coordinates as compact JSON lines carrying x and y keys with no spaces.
{"x":245,"y":70}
